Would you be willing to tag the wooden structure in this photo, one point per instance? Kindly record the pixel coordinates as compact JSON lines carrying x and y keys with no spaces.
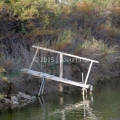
{"x":60,"y":79}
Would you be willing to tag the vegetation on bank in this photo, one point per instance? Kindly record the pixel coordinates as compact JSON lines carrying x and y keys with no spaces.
{"x":88,"y":28}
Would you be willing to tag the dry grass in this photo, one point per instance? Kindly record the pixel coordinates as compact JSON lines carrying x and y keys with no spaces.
{"x":107,"y":31}
{"x":95,"y":49}
{"x":56,"y":25}
{"x":64,"y":40}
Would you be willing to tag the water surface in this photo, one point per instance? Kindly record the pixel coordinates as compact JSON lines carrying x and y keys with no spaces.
{"x":103,"y":105}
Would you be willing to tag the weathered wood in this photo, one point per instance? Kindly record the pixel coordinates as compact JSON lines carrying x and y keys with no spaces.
{"x":86,"y":79}
{"x":42,"y":86}
{"x":60,"y":79}
{"x":66,"y":54}
{"x":33,"y":58}
{"x":55,"y":78}
{"x":61,"y":72}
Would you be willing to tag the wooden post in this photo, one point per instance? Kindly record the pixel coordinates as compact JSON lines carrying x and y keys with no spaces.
{"x":82,"y":77}
{"x":33,"y":58}
{"x":61,"y":100}
{"x":86,"y":79}
{"x":42,"y":86}
{"x":61,"y":72}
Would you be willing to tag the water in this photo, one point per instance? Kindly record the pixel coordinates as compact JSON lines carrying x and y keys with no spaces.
{"x":103,"y":105}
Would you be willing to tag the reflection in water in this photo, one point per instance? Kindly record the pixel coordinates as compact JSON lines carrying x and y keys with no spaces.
{"x":42,"y":103}
{"x":104,"y":106}
{"x":61,"y":100}
{"x":83,"y":105}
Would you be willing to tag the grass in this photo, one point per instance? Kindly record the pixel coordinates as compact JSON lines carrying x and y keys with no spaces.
{"x":97,"y":46}
{"x":64,"y":40}
{"x":98,"y":50}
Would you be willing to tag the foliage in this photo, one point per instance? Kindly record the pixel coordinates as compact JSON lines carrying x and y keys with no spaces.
{"x":64,"y":40}
{"x":1,"y":96}
{"x":97,"y":47}
{"x":87,"y":27}
{"x":2,"y":77}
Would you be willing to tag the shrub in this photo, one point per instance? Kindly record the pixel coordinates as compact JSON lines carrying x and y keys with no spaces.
{"x":64,"y":40}
{"x":2,"y":71}
{"x":96,"y":49}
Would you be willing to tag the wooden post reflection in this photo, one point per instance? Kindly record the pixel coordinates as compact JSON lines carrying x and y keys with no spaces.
{"x":61,"y":100}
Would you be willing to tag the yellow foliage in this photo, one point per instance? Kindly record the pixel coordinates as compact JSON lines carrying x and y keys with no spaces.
{"x":2,"y":77}
{"x":96,"y":46}
{"x":2,"y":69}
{"x":1,"y":4}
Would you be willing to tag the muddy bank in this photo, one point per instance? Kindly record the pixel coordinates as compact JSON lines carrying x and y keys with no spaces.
{"x":26,"y":91}
{"x":18,"y":100}
{"x":31,"y":85}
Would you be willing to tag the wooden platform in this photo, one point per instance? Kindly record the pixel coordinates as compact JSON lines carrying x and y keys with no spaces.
{"x":60,"y":79}
{"x":55,"y":78}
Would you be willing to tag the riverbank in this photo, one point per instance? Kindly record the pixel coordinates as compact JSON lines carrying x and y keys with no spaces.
{"x":51,"y":106}
{"x":29,"y":93}
{"x":89,"y":29}
{"x":30,"y":89}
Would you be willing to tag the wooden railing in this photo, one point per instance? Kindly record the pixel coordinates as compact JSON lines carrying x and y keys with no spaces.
{"x":61,"y":63}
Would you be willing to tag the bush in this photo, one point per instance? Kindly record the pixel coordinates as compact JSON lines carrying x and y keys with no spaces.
{"x":2,"y":71}
{"x":59,"y":26}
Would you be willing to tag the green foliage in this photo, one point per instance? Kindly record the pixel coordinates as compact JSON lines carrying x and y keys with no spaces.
{"x":97,"y":46}
{"x":7,"y":65}
{"x":2,"y":77}
{"x":24,"y":9}
{"x":1,"y":96}
{"x":23,"y":28}
{"x":51,"y":24}
{"x":65,"y":35}
{"x":64,"y":40}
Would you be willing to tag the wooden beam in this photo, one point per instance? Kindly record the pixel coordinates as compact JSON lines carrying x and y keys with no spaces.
{"x":61,"y":72}
{"x":55,"y":78}
{"x":66,"y":54}
{"x":33,"y":58}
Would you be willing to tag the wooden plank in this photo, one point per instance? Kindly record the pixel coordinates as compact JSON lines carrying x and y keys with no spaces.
{"x":70,"y":55}
{"x":61,"y":66}
{"x":55,"y":78}
{"x":86,"y":79}
{"x":61,"y":72}
{"x":33,"y":58}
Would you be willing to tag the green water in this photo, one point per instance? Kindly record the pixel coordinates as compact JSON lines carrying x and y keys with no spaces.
{"x":103,"y":105}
